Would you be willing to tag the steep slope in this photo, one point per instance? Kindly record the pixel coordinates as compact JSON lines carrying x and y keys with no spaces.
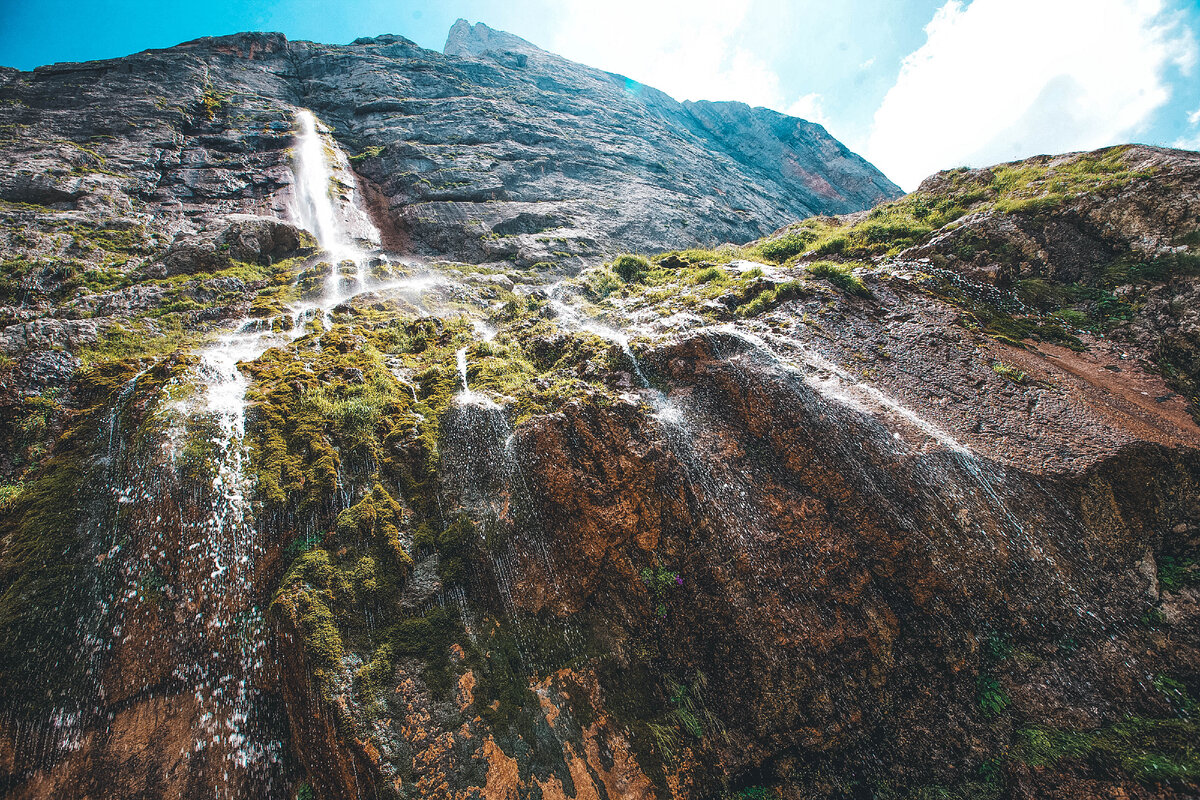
{"x":895,"y":504}
{"x":1102,"y":242}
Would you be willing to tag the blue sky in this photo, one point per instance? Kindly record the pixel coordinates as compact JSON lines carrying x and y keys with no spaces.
{"x":914,"y":85}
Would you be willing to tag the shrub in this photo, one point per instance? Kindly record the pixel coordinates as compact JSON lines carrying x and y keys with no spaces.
{"x":709,"y":275}
{"x":1010,"y":372}
{"x":991,"y":696}
{"x":841,"y":276}
{"x":210,"y":101}
{"x":601,"y":284}
{"x":631,"y":268}
{"x":786,"y":246}
{"x":832,"y":247}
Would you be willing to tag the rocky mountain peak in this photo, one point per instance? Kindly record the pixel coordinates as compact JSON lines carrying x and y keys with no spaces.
{"x":488,"y":154}
{"x":467,"y":40}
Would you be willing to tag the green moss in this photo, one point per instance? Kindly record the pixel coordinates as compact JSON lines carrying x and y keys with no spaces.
{"x":1033,"y":188}
{"x":1151,"y":751}
{"x":428,"y":638}
{"x":631,"y":268}
{"x":50,"y":531}
{"x":769,"y":298}
{"x":1010,"y":372}
{"x":840,"y":275}
{"x":9,"y":492}
{"x":331,"y":404}
{"x":367,"y":152}
{"x":140,"y":340}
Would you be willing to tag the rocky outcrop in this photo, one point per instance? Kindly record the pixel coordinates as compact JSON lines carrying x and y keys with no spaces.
{"x":1145,"y":212}
{"x":246,"y":239}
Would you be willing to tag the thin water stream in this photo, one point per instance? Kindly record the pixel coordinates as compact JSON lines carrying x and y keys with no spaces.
{"x":212,"y":567}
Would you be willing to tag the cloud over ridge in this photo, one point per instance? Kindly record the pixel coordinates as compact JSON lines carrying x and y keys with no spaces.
{"x":998,"y":80}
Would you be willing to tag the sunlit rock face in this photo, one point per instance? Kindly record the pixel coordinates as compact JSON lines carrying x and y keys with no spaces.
{"x":474,"y":154}
{"x":342,"y":460}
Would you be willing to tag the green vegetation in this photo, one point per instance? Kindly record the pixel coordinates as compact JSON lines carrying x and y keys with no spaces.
{"x":72,"y":255}
{"x":686,"y":720}
{"x":1034,"y":188}
{"x":1152,"y":751}
{"x":991,"y":696}
{"x":51,"y":549}
{"x":763,"y":299}
{"x":9,"y":492}
{"x":841,"y":276}
{"x":660,"y":581}
{"x":210,"y":100}
{"x":631,"y":268}
{"x":710,"y":274}
{"x":789,"y":244}
{"x":1010,"y":372}
{"x":1176,"y":572}
{"x":367,"y":152}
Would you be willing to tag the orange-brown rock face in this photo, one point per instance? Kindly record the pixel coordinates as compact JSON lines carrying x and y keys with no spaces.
{"x":771,"y":575}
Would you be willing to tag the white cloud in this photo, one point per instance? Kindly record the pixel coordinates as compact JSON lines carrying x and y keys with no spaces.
{"x":810,"y":107}
{"x":870,"y":62}
{"x":689,"y":49}
{"x":1002,"y":79}
{"x":1190,"y":141}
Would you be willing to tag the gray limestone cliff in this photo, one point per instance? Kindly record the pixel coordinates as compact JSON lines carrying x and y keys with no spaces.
{"x":494,"y":151}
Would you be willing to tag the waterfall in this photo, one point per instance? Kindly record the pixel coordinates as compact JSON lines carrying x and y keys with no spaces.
{"x":573,"y":318}
{"x":321,"y":168}
{"x":184,"y":524}
{"x":461,"y":358}
{"x":466,"y":396}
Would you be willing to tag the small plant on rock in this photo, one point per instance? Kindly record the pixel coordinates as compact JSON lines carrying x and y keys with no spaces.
{"x":840,"y":275}
{"x":991,"y":696}
{"x":659,"y":581}
{"x":631,"y":268}
{"x":1010,"y":372}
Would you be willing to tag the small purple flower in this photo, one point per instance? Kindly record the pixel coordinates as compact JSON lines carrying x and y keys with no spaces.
{"x":679,"y":580}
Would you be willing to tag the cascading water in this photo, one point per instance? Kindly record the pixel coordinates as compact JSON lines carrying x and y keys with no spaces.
{"x":320,"y":168}
{"x":226,"y":539}
{"x":466,"y":396}
{"x":184,"y":530}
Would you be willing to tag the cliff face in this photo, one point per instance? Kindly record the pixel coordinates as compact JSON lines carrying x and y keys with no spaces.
{"x":901,"y":503}
{"x":482,"y":154}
